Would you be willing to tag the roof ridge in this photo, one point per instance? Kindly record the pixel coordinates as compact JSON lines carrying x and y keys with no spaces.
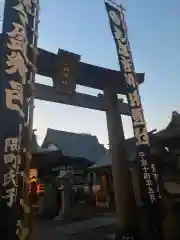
{"x":72,"y":133}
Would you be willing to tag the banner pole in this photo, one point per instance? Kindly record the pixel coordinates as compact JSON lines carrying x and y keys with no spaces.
{"x":148,"y":176}
{"x":33,"y":21}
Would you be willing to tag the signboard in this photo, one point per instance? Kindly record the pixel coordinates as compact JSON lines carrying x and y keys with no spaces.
{"x":14,"y":68}
{"x":66,"y":71}
{"x":148,"y":170}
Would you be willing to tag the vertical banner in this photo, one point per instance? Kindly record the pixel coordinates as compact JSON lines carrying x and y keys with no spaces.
{"x":14,"y":67}
{"x":148,"y":171}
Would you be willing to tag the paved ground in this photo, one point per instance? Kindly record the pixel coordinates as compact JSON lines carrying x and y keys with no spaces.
{"x":96,"y":228}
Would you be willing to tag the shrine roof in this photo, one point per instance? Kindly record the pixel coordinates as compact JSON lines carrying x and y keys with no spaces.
{"x":75,"y":145}
{"x":35,"y":148}
{"x":55,"y":159}
{"x":106,"y":160}
{"x":131,"y":151}
{"x":171,"y":131}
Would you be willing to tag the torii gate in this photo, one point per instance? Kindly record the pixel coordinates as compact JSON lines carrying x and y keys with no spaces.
{"x":18,"y":65}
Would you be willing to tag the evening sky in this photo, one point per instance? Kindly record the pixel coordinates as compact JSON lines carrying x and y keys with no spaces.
{"x":82,"y":27}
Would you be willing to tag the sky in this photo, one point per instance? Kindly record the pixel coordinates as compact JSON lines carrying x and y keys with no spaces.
{"x":82,"y":27}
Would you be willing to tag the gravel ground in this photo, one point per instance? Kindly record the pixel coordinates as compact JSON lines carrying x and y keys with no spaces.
{"x":97,"y":228}
{"x":99,"y":233}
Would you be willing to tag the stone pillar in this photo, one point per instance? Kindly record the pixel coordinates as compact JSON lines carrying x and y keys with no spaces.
{"x":121,"y":178}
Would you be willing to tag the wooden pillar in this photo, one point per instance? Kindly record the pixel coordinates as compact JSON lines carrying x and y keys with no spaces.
{"x":136,"y":187}
{"x":121,"y":179}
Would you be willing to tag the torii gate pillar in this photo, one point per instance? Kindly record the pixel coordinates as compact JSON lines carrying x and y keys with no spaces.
{"x":124,"y":196}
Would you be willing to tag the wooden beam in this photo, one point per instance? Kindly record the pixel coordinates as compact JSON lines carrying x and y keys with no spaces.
{"x":48,"y":93}
{"x":88,"y":75}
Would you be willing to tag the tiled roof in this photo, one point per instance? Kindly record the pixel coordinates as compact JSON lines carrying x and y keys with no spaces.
{"x":131,"y":151}
{"x":75,"y":144}
{"x":35,"y":148}
{"x":106,"y":160}
{"x":172,"y":130}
